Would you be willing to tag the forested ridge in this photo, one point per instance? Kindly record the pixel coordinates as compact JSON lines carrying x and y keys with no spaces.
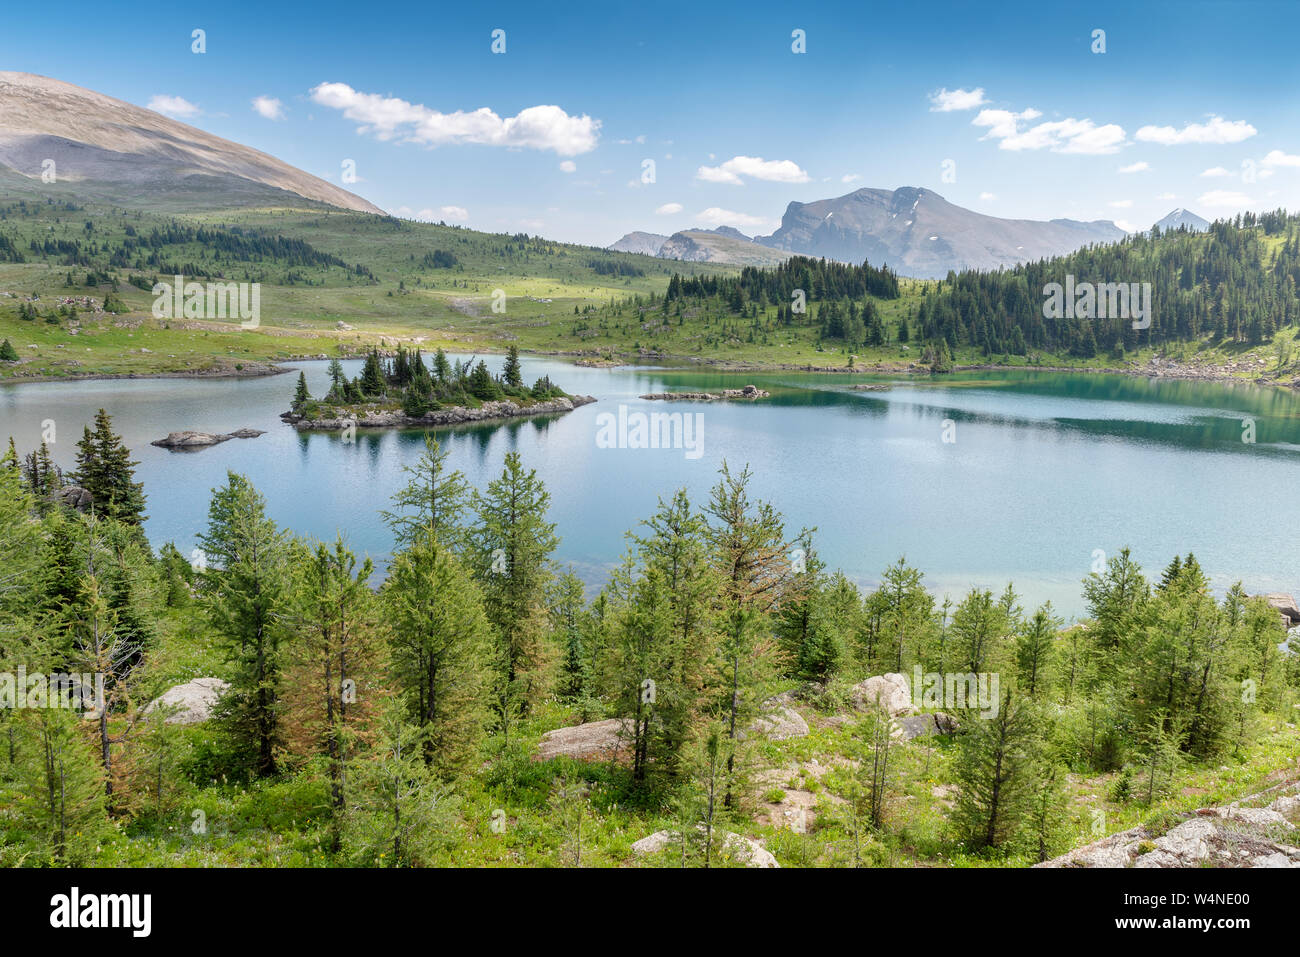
{"x":394,"y":719}
{"x":1235,"y":283}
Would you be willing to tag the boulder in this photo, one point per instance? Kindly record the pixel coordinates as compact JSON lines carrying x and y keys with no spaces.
{"x":911,"y":726}
{"x":74,"y":496}
{"x":191,"y":702}
{"x":595,"y":740}
{"x":890,"y":690}
{"x":781,"y":724}
{"x":1286,"y":606}
{"x":743,"y":849}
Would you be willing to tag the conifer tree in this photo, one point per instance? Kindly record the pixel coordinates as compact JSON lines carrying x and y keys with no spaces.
{"x":1035,"y":645}
{"x":442,"y":653}
{"x":333,"y":661}
{"x":995,"y":774}
{"x":511,"y":547}
{"x":244,"y":589}
{"x":105,"y":469}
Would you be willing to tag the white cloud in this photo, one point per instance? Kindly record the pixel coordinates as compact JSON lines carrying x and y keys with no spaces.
{"x":850,"y":178}
{"x":1059,"y":136}
{"x":1225,"y":197}
{"x":668,"y":209}
{"x":1278,"y":158}
{"x":1166,"y":196}
{"x":454,"y":214}
{"x":1125,"y":225}
{"x":1214,"y":171}
{"x":946,"y":101}
{"x":988,"y":197}
{"x":268,"y":107}
{"x":1120,"y":203}
{"x":173,"y":105}
{"x":715,"y":216}
{"x":754,"y":167}
{"x":1216,"y":131}
{"x":1003,"y":123}
{"x":1139,"y":167}
{"x":568,"y":166}
{"x":387,"y":118}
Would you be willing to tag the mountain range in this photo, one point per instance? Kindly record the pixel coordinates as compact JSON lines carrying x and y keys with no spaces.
{"x":101,"y":148}
{"x":912,"y":230}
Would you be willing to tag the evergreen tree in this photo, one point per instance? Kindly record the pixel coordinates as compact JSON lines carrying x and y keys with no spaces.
{"x":995,"y":774}
{"x":1035,"y":644}
{"x":511,"y":547}
{"x":105,"y":469}
{"x":300,"y":394}
{"x":244,"y":593}
{"x":511,"y":374}
{"x":442,"y":653}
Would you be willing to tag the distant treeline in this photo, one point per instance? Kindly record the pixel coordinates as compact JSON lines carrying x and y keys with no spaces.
{"x":1229,"y":282}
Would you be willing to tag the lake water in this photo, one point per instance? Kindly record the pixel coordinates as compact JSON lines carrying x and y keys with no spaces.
{"x":1043,"y":469}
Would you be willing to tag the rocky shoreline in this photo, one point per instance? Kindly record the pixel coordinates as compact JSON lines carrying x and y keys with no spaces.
{"x":458,"y":415}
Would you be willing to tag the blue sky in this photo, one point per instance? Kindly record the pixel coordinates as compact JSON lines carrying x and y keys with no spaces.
{"x":1192,"y":104}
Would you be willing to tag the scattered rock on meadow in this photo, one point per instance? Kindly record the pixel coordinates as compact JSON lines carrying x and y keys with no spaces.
{"x":191,"y":702}
{"x":890,"y":690}
{"x":743,"y":849}
{"x":595,"y":740}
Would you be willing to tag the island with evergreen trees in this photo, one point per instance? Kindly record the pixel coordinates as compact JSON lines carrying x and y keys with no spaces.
{"x":401,"y":391}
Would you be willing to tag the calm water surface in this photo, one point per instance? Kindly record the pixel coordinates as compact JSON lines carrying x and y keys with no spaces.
{"x":1045,"y":468}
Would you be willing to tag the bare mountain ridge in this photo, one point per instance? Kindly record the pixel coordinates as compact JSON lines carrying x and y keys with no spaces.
{"x":918,"y":233}
{"x":914,"y":231}
{"x":114,"y":150}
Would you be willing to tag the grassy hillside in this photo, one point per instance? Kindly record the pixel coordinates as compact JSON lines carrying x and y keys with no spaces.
{"x":336,"y":282}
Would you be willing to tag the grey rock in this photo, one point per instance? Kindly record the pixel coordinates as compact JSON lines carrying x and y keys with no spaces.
{"x":191,"y":702}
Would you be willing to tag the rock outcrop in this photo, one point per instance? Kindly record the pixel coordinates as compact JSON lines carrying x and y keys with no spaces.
{"x":388,"y":419}
{"x":781,"y":724}
{"x":595,"y":740}
{"x":74,"y":496}
{"x":743,"y":850}
{"x":891,"y":690}
{"x":1286,"y":607}
{"x":1231,"y":836}
{"x":191,"y":702}
{"x":199,"y":440}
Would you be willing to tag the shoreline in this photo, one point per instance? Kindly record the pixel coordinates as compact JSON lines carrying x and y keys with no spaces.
{"x":1156,"y":369}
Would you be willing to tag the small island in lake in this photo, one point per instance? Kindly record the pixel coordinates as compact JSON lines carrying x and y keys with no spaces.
{"x":401,"y":391}
{"x":749,"y":392}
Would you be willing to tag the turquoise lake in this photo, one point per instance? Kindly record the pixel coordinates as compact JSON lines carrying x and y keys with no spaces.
{"x":1043,"y":470}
